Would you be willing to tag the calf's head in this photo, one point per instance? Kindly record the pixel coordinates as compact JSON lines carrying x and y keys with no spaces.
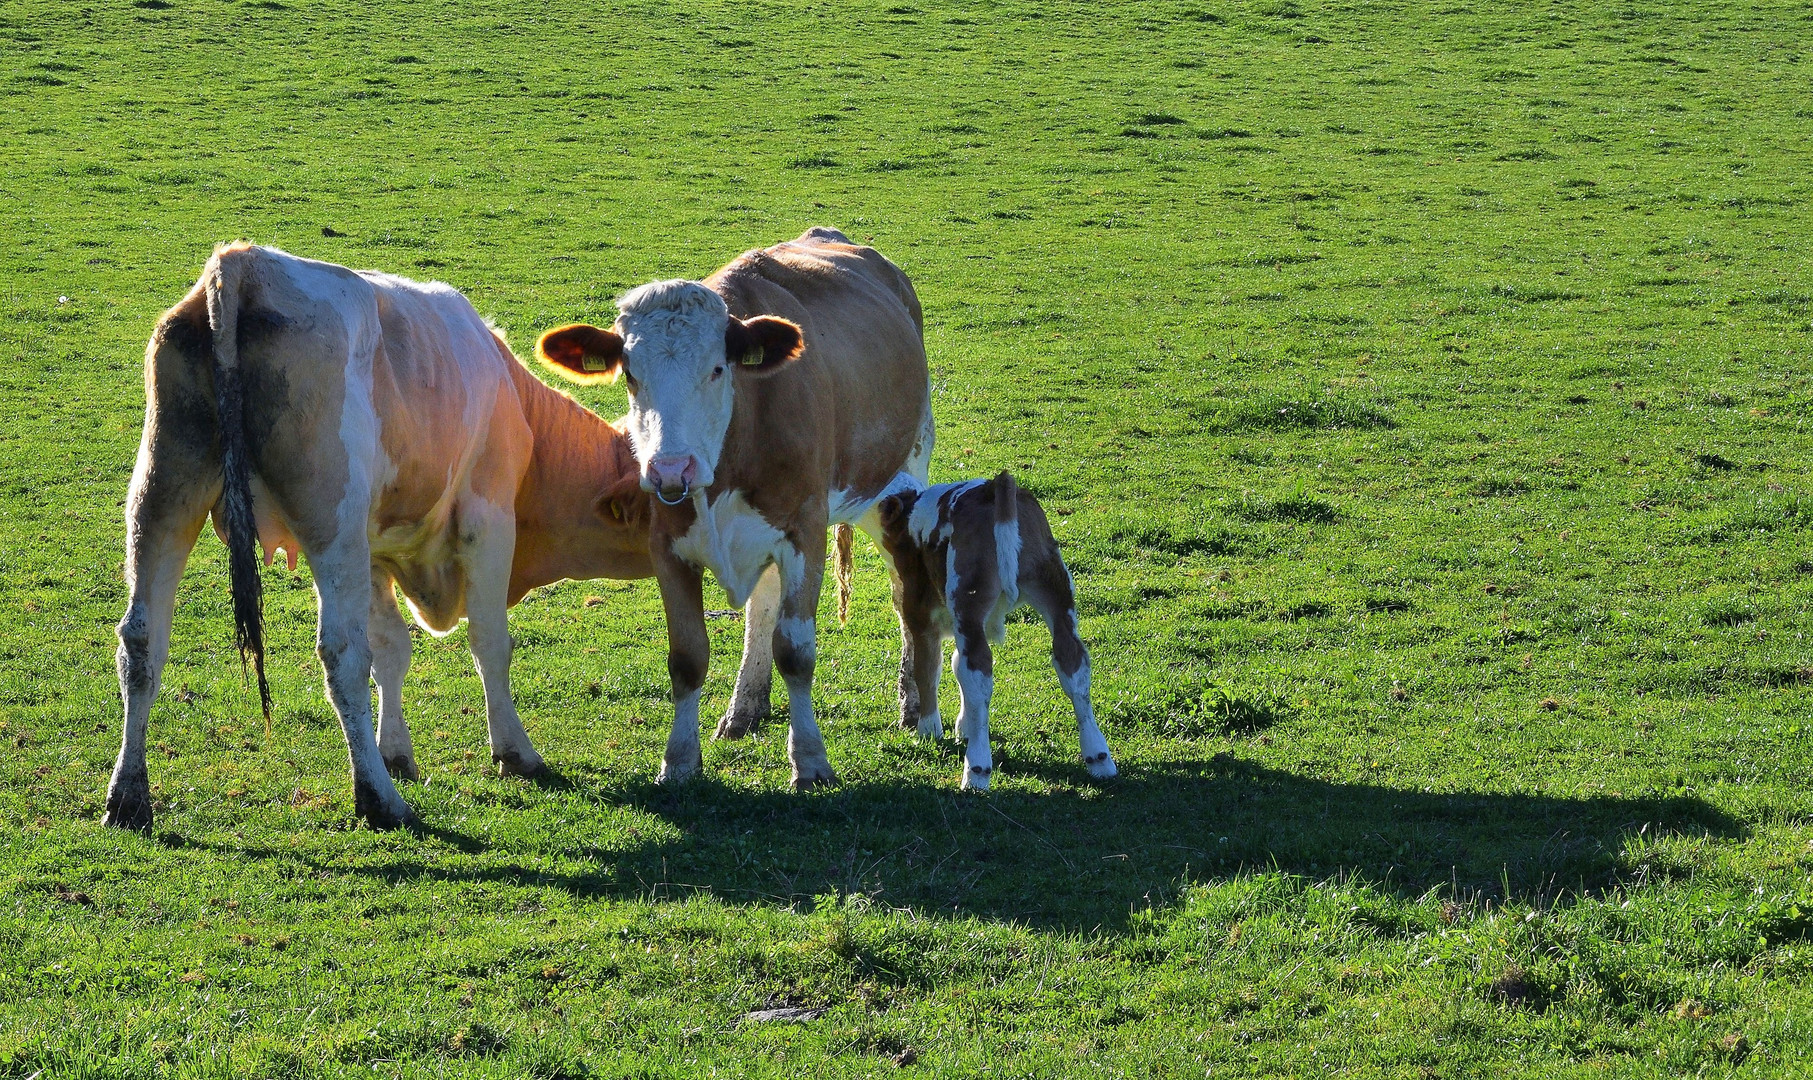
{"x":681,"y":353}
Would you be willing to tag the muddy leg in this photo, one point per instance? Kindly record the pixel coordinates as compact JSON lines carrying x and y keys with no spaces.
{"x":390,"y":654}
{"x":343,"y":585}
{"x":755,"y":677}
{"x":161,"y":531}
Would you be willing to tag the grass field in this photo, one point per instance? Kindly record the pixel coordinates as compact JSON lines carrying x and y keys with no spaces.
{"x":1420,"y":392}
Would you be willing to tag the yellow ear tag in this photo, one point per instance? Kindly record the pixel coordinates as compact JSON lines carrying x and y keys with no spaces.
{"x":591,"y":362}
{"x":755,"y":356}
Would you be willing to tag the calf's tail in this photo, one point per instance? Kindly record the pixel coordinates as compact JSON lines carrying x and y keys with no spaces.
{"x":225,"y":290}
{"x":1007,"y":532}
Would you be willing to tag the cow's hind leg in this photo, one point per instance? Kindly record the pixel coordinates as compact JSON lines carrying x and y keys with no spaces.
{"x":390,"y":654}
{"x":343,"y":584}
{"x":493,"y":542}
{"x":165,"y":511}
{"x":755,"y":676}
{"x":1048,"y":589}
{"x":796,"y":655}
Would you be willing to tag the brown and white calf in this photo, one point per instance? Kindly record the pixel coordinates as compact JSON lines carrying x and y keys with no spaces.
{"x":967,"y":554}
{"x":785,"y":393}
{"x":384,"y":430}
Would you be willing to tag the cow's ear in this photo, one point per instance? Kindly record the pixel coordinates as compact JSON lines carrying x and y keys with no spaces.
{"x":581,"y":353}
{"x":762,"y":345}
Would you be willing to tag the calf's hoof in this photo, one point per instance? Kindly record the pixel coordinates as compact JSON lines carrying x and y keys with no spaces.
{"x":820,"y":779}
{"x":976,"y":777}
{"x":1101,"y":767}
{"x":930,"y":728}
{"x":402,"y":767}
{"x":128,"y":807}
{"x":528,"y":766}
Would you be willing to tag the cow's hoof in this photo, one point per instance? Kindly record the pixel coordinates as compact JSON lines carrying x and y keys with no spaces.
{"x":976,"y":777}
{"x":403,"y":767}
{"x":735,"y":725}
{"x":128,"y":807}
{"x":930,"y":728}
{"x":1101,"y":767}
{"x":822,"y":779}
{"x":528,"y":766}
{"x":674,"y":774}
{"x":382,"y":811}
{"x":383,"y":818}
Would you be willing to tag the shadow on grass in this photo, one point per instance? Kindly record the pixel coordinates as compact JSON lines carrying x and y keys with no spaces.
{"x":1082,"y":857}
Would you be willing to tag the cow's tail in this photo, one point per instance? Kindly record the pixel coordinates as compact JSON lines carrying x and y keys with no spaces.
{"x":225,"y":292}
{"x":844,"y":568}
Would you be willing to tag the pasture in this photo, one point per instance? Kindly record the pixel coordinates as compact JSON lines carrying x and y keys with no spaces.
{"x":1419,"y":391}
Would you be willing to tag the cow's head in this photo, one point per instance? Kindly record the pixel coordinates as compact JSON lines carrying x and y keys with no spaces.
{"x":682,"y":353}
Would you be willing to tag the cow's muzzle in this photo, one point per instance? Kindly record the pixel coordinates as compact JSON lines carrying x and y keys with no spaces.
{"x":671,"y":478}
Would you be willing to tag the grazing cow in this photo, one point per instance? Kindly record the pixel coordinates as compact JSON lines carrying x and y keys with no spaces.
{"x":786,"y":392}
{"x":968,"y":554}
{"x":383,"y":429}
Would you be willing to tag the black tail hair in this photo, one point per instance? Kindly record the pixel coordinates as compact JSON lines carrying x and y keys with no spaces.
{"x":225,"y":292}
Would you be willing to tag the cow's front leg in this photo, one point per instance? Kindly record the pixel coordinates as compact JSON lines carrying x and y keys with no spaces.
{"x":688,"y":657}
{"x":390,"y":655}
{"x":796,"y":655}
{"x":755,"y":676}
{"x":343,"y":587}
{"x":492,"y":542}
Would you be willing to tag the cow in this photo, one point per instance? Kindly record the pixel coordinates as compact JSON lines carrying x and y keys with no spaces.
{"x":967,"y":554}
{"x":786,"y":392}
{"x":384,"y":430}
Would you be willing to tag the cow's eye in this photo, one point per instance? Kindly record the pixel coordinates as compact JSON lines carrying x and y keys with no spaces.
{"x":629,"y":381}
{"x":717,"y":371}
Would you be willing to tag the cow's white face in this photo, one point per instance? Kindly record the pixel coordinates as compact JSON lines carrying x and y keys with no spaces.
{"x":682,"y":355}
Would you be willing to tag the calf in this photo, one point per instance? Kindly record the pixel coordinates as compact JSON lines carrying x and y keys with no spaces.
{"x":967,"y":554}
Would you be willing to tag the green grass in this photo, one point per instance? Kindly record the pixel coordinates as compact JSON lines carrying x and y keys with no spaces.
{"x":1419,"y":392}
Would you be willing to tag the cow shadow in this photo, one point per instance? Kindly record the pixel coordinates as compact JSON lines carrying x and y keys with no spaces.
{"x":1078,"y":856}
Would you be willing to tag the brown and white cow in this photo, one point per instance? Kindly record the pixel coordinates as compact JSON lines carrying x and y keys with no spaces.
{"x":383,"y":429}
{"x":786,"y":392}
{"x":967,"y":554}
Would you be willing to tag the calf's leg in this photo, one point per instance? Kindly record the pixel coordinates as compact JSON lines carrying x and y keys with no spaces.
{"x":913,"y":656}
{"x":974,"y":665}
{"x":1052,"y":595}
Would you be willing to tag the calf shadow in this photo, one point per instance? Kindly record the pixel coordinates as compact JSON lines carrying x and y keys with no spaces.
{"x":1086,"y":857}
